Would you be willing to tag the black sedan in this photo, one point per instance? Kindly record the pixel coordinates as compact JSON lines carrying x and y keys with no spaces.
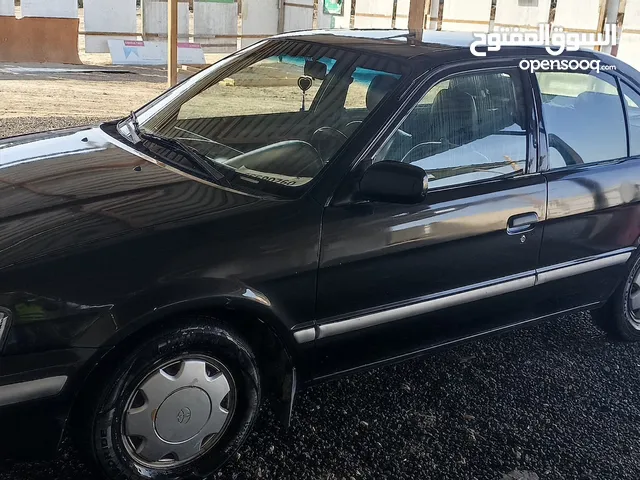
{"x":313,"y":205}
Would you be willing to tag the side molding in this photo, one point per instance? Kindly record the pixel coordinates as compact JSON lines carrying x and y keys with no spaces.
{"x":467,"y":294}
{"x":569,"y":269}
{"x":31,"y":390}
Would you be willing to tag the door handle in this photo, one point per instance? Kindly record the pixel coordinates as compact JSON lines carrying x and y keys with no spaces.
{"x":522,"y":223}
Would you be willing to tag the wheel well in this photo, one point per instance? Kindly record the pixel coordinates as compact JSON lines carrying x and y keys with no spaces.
{"x":274,"y":361}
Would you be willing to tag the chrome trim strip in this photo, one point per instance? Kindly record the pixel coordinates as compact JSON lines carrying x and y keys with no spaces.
{"x":583,"y":265}
{"x":455,"y":341}
{"x":474,"y":292}
{"x":306,"y":335}
{"x":31,"y":390}
{"x":444,"y":300}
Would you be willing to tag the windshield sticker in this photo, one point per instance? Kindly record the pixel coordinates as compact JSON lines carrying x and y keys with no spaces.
{"x":275,"y":178}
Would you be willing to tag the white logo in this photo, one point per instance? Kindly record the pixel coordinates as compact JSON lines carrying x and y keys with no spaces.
{"x":554,"y":39}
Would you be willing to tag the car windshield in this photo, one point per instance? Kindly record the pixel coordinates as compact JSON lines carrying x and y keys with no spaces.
{"x":270,"y":118}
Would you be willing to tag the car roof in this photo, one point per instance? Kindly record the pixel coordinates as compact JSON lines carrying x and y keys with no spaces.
{"x":397,"y":42}
{"x":403,"y":44}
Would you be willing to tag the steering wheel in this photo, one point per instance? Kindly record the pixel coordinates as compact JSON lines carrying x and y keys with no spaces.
{"x":426,"y":149}
{"x":327,"y":141}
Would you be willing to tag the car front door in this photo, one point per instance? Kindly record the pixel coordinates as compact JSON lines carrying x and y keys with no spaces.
{"x":395,"y":279}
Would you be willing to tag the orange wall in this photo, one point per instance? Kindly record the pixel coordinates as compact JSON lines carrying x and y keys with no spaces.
{"x":39,"y":40}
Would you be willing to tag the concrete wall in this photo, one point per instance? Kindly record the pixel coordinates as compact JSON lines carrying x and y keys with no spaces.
{"x":298,"y":17}
{"x":108,"y":16}
{"x":629,"y":49}
{"x":259,"y":20}
{"x":402,"y":14}
{"x":373,"y":13}
{"x":154,"y":19}
{"x":462,"y":15}
{"x":578,"y":14}
{"x":326,"y":21}
{"x":7,"y":8}
{"x":50,"y":8}
{"x":39,"y":40}
{"x":216,"y":24}
{"x":511,"y":13}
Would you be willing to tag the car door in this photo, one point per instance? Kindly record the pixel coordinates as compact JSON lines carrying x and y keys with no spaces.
{"x":395,"y":279}
{"x":592,"y":227}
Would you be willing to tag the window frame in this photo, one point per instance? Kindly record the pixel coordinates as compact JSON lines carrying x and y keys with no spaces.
{"x":543,"y":160}
{"x":621,"y":83}
{"x":428,"y":80}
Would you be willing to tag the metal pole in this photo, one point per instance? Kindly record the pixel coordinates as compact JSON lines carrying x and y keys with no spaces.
{"x":172,"y":46}
{"x":614,"y":8}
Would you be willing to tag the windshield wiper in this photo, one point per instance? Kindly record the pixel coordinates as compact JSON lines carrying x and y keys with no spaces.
{"x":134,"y":128}
{"x":192,"y":154}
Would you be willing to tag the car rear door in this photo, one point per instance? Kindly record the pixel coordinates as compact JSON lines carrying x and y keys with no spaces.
{"x":592,"y":220}
{"x":395,"y":279}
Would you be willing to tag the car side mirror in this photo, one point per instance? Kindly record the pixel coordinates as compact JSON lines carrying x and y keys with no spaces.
{"x":394,"y":182}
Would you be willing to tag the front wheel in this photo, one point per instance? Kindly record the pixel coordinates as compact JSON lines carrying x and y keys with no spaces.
{"x":177,"y":407}
{"x":620,"y":316}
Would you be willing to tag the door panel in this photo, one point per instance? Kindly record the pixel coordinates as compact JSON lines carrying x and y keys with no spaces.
{"x":593,"y":211}
{"x":378,"y":257}
{"x":395,"y":279}
{"x":594,"y":188}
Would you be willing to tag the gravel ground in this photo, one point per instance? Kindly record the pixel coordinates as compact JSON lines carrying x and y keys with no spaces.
{"x":554,"y":401}
{"x":22,"y":125}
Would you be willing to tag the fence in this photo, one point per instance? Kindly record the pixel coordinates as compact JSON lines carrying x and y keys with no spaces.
{"x":223,"y":25}
{"x":48,"y":31}
{"x":629,"y":50}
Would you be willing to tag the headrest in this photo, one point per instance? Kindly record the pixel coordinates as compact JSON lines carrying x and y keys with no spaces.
{"x":598,"y":100}
{"x":456,"y":115}
{"x":378,"y":88}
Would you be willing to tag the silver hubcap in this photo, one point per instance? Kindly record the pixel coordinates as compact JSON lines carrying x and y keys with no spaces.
{"x":179,"y":411}
{"x":634,"y":298}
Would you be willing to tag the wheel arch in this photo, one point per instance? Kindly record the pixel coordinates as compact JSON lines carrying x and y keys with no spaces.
{"x":244,"y":311}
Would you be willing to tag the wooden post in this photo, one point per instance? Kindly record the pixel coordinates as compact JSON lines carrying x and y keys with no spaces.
{"x":281,"y":16}
{"x":602,"y":17}
{"x":172,"y":46}
{"x":416,"y":17}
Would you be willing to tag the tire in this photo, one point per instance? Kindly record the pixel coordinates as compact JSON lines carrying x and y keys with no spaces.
{"x":175,"y":387}
{"x":617,"y":317}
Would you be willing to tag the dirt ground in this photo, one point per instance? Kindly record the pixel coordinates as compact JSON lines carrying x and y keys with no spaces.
{"x":33,"y":94}
{"x":36,"y":91}
{"x":44,"y":98}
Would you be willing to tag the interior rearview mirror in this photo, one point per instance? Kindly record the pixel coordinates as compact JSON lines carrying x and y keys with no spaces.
{"x":314,"y":69}
{"x":394,"y":182}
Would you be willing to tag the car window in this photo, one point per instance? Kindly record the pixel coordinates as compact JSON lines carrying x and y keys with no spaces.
{"x":468,"y":128}
{"x":267,"y":87}
{"x":270,"y":121}
{"x":583,"y":116}
{"x":632,"y":98}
